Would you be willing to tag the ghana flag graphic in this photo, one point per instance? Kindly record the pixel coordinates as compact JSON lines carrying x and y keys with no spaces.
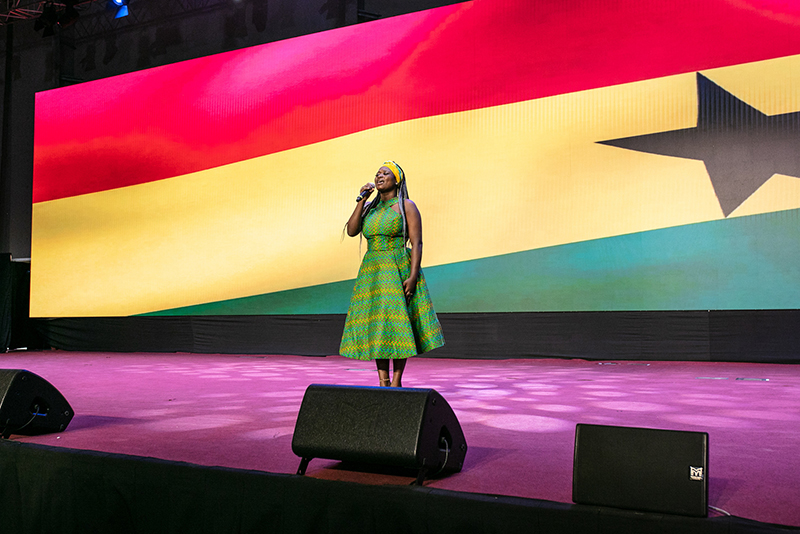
{"x":565,"y":156}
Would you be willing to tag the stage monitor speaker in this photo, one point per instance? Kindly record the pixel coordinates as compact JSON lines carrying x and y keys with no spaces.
{"x":401,"y":427}
{"x":649,"y":470}
{"x":30,"y":405}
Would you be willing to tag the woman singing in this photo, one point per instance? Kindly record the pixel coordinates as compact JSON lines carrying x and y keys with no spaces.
{"x":391,"y":316}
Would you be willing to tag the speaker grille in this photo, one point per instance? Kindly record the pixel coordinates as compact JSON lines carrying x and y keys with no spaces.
{"x":641,"y":469}
{"x":392,"y":426}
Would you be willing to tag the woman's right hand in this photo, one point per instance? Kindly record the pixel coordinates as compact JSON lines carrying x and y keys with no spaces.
{"x":354,"y":223}
{"x":366,"y":190}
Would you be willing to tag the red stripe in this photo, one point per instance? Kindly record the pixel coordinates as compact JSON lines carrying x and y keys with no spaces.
{"x":216,"y":110}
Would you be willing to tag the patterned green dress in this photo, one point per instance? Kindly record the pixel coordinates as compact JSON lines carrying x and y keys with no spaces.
{"x":379,"y":322}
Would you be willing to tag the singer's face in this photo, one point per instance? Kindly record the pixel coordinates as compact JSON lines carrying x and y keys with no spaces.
{"x":385,"y":180}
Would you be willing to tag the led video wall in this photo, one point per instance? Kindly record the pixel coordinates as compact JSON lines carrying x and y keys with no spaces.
{"x":565,"y":156}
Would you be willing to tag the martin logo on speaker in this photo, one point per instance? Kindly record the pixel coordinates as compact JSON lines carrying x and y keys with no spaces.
{"x":695,"y":473}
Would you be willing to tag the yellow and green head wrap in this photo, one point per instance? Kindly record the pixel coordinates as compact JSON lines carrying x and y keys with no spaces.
{"x":399,"y":175}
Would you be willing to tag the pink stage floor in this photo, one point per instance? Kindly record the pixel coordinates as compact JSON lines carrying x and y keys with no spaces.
{"x":518,"y":416}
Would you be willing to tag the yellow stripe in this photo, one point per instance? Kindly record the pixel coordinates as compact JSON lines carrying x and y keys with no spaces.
{"x":487,"y":182}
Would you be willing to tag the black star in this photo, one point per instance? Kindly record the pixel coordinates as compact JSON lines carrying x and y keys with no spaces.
{"x":740,"y":146}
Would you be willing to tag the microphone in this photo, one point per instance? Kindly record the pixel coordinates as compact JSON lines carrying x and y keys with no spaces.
{"x":361,"y":196}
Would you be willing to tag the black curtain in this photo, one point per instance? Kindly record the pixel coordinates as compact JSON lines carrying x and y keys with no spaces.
{"x":746,"y":335}
{"x":16,"y":330}
{"x":6,"y":299}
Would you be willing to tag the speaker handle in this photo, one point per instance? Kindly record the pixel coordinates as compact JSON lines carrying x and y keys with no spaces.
{"x":423,"y":472}
{"x":301,"y":470}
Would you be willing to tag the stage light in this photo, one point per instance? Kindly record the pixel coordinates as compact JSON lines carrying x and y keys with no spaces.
{"x":260,"y":16}
{"x":120,"y":7}
{"x":69,"y":16}
{"x":46,"y":20}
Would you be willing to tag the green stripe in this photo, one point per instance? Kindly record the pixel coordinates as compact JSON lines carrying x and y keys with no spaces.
{"x":321,"y":299}
{"x":740,"y":263}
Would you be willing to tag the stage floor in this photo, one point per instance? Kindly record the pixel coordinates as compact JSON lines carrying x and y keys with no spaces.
{"x":518,"y":416}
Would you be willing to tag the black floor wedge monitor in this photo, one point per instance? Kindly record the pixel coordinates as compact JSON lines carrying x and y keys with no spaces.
{"x":644,"y":469}
{"x":402,"y":427}
{"x":30,"y":405}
